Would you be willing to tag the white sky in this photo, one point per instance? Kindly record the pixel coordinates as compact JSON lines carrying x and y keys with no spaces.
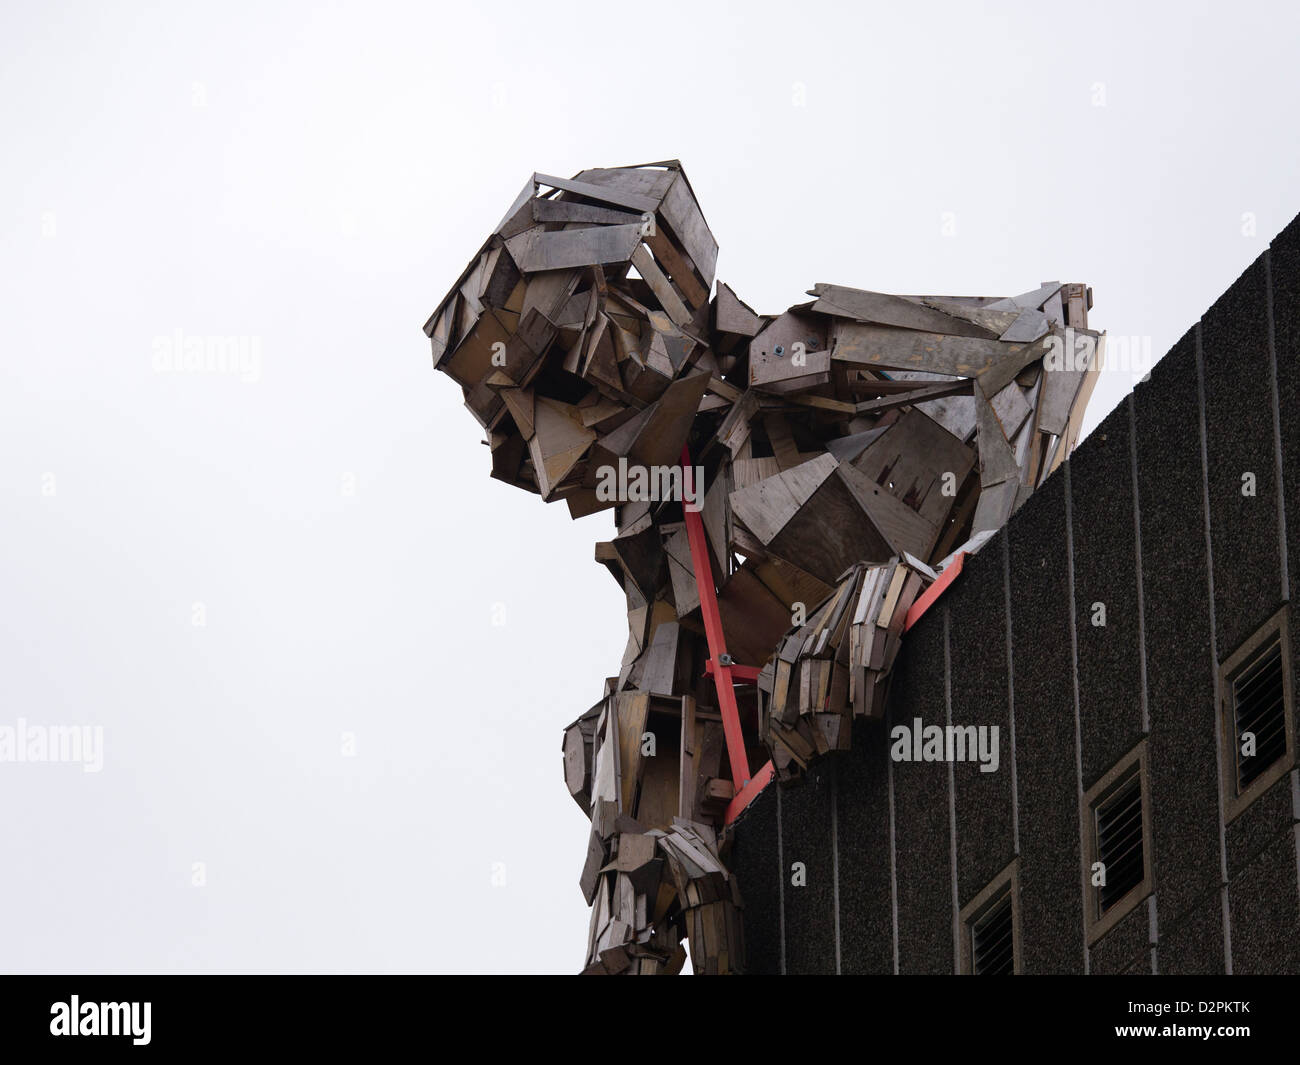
{"x":313,"y":177}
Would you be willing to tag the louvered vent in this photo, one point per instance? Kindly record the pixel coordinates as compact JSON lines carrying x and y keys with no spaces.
{"x":993,"y":941}
{"x":1259,"y":711}
{"x":1119,"y":842}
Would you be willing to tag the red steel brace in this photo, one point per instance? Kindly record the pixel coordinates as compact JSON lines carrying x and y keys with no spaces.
{"x":934,"y":591}
{"x":722,"y":676}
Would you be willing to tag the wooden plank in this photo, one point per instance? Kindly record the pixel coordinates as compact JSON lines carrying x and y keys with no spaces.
{"x":537,"y":250}
{"x":547,"y":291}
{"x":644,"y":180}
{"x":605,"y":194}
{"x":686,"y":777}
{"x":997,"y":461}
{"x":886,"y":615}
{"x":767,"y":506}
{"x":683,"y":216}
{"x":559,"y":441}
{"x":519,"y":401}
{"x":1084,"y":395}
{"x":839,"y":406}
{"x":910,"y":461}
{"x":751,"y":471}
{"x":632,"y":711}
{"x":783,"y":445}
{"x":957,"y":387}
{"x":678,"y":267}
{"x":572,"y":211}
{"x":1060,"y":386}
{"x":902,"y":527}
{"x":773,"y":351}
{"x":660,"y":286}
{"x":1029,"y":326}
{"x":731,"y":315}
{"x":897,"y":311}
{"x":1011,"y":408}
{"x":879,"y":346}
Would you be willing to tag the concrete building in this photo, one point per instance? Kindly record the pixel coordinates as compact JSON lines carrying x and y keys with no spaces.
{"x":1130,"y":637}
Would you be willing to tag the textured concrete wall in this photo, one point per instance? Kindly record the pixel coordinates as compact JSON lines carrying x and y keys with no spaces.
{"x":1148,"y":519}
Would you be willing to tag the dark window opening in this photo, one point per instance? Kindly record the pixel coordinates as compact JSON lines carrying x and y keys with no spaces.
{"x":1259,"y":714}
{"x":1119,"y":842}
{"x":993,"y":940}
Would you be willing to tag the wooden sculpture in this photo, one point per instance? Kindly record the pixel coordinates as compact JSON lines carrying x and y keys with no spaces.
{"x":832,"y":461}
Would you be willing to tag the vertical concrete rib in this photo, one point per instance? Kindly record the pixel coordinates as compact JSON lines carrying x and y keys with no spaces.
{"x":1214,"y":642}
{"x":893,"y":857}
{"x":835,"y":855}
{"x":952,"y":792}
{"x":1277,"y":426}
{"x":780,"y":862}
{"x":1153,"y":933}
{"x":1137,"y":555}
{"x":1011,"y":695}
{"x":1078,"y":728}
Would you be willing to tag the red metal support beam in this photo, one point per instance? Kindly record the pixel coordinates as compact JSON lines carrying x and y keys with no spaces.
{"x":749,"y":674}
{"x":748,"y":793}
{"x":718,"y":657}
{"x":934,"y":591}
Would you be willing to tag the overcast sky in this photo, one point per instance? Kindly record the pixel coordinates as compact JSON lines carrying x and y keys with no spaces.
{"x":273,"y":589}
